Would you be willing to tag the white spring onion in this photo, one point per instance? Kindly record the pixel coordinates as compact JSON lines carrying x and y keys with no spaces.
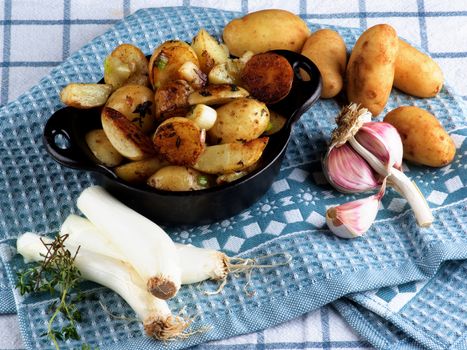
{"x":196,"y":264}
{"x":155,"y":314}
{"x":147,"y":247}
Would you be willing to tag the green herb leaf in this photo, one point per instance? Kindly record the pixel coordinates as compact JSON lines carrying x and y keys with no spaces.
{"x":161,"y":61}
{"x":203,"y":180}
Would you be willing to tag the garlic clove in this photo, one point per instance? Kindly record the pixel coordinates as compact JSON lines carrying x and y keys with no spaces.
{"x":383,"y":140}
{"x":348,"y":172}
{"x":354,"y":218}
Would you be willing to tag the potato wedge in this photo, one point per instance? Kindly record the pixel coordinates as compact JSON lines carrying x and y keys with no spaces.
{"x":268,"y":77}
{"x":85,"y":96}
{"x":208,"y":50}
{"x":167,"y":59}
{"x":229,"y":71}
{"x":230,"y":157}
{"x":102,"y":149}
{"x":127,"y":138}
{"x":179,"y":140}
{"x":178,"y":178}
{"x":136,"y":102}
{"x":141,"y":170}
{"x":172,"y":100}
{"x":217,"y":94}
{"x":276,"y":123}
{"x":193,"y":75}
{"x":127,"y":64}
{"x":231,"y":177}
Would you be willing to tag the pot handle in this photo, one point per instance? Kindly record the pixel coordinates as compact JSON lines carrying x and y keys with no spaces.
{"x":60,"y":141}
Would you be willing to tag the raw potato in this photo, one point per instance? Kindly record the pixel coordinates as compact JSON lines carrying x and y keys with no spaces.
{"x":265,"y":30}
{"x":136,"y":102}
{"x":127,"y":138}
{"x":417,"y":74}
{"x":102,"y":149}
{"x":85,"y":96}
{"x":239,"y":121}
{"x":127,"y":64}
{"x":178,"y":178}
{"x":327,"y":50}
{"x":179,"y":140}
{"x":217,"y":94}
{"x":230,"y":157}
{"x":172,"y":100}
{"x":370,"y":71}
{"x":141,"y":170}
{"x":208,"y":50}
{"x":166,"y":61}
{"x":424,"y":139}
{"x":268,"y":77}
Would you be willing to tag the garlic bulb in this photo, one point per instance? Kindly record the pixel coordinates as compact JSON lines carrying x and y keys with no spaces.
{"x":380,"y":149}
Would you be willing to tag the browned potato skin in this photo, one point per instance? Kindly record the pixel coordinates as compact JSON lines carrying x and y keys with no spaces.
{"x":424,"y":139}
{"x":179,"y":140}
{"x":265,"y":30}
{"x":370,"y":71}
{"x":128,"y":98}
{"x":417,"y":74}
{"x":140,"y":171}
{"x":327,"y":50}
{"x":102,"y":149}
{"x":177,"y":53}
{"x":128,"y":139}
{"x":172,"y":100}
{"x":268,"y":77}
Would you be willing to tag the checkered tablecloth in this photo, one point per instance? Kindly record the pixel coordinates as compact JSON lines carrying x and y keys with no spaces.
{"x":38,"y":35}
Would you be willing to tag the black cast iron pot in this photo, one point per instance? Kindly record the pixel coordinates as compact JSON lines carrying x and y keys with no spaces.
{"x":187,"y":207}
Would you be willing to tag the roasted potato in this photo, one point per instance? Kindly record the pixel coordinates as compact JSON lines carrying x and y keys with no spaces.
{"x":327,"y":50}
{"x":231,"y":177}
{"x":229,"y":72}
{"x":141,"y":170}
{"x":268,"y":77}
{"x":178,"y":178}
{"x":208,"y":50}
{"x":241,"y":120}
{"x":127,"y":138}
{"x":193,"y":75}
{"x":166,"y":61}
{"x":179,"y":140}
{"x":424,"y":139}
{"x":127,"y":64}
{"x":276,"y":123}
{"x":203,"y":116}
{"x":172,"y":99}
{"x":136,"y":102}
{"x":265,"y":30}
{"x":217,"y":94}
{"x":230,"y":157}
{"x":416,"y":73}
{"x":370,"y":71}
{"x":85,"y":96}
{"x":102,"y":149}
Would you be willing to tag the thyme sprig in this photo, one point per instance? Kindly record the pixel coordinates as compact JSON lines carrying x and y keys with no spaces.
{"x":56,"y":273}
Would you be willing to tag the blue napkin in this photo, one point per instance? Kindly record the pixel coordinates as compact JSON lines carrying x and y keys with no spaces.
{"x":37,"y":194}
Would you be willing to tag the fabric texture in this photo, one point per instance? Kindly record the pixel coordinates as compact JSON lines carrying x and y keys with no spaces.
{"x":38,"y":194}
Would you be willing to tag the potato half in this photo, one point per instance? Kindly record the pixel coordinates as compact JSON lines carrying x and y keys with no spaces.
{"x":136,"y":102}
{"x":102,"y":149}
{"x":85,"y":96}
{"x":141,"y":170}
{"x":172,"y":99}
{"x":178,"y":178}
{"x":230,"y":157}
{"x":208,"y":50}
{"x":127,"y":138}
{"x":217,"y":94}
{"x":179,"y":140}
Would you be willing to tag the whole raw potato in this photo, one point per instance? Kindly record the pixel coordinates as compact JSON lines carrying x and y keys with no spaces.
{"x":417,"y":74}
{"x":424,"y":138}
{"x":241,"y":120}
{"x":370,"y":71}
{"x":265,"y":30}
{"x":327,"y":50}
